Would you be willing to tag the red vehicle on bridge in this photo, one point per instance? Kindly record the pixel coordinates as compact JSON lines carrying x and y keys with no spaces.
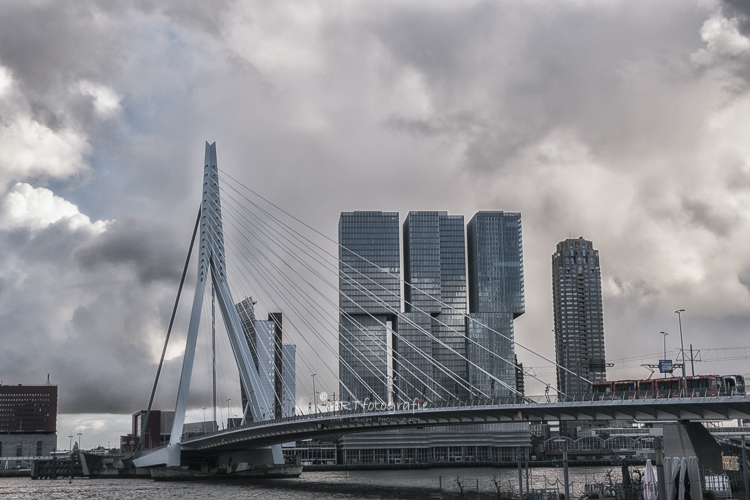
{"x":699,"y":385}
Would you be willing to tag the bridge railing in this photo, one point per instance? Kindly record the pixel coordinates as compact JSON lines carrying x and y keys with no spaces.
{"x":367,"y":408}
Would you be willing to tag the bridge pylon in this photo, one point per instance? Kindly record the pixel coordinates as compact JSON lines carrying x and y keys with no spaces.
{"x":212,"y":262}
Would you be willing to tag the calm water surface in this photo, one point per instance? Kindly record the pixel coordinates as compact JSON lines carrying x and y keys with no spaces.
{"x":414,"y":484}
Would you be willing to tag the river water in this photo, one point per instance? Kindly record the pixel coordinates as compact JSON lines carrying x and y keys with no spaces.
{"x":401,"y":484}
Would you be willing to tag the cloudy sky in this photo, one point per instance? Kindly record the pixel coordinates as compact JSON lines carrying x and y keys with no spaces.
{"x":623,"y":121}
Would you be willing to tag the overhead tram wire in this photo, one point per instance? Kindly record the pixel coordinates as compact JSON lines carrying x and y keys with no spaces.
{"x":515,"y":342}
{"x":362,"y":330}
{"x":434,"y":338}
{"x":314,"y":271}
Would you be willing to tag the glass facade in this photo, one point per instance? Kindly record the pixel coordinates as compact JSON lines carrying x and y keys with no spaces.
{"x":579,"y":322}
{"x":369,"y":298}
{"x":430,"y":351}
{"x":435,"y":293}
{"x":289,"y":372}
{"x":496,"y":298}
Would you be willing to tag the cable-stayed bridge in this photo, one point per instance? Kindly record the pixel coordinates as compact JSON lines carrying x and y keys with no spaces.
{"x":265,"y":253}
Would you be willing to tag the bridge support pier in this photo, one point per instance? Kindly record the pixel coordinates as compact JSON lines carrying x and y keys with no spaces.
{"x":692,"y":439}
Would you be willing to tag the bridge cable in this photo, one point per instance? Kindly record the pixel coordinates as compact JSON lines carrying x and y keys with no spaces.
{"x":169,"y":332}
{"x":408,"y":320}
{"x":395,"y":276}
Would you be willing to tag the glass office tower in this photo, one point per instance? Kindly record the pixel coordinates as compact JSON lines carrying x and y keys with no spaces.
{"x":435,"y":302}
{"x":579,"y":322}
{"x":496,"y":299}
{"x":369,"y":301}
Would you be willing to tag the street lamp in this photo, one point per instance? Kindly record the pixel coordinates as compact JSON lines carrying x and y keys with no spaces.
{"x":71,"y":440}
{"x":315,"y":394}
{"x":229,"y":413}
{"x":204,"y":419}
{"x":682,"y":347}
{"x":80,"y":433}
{"x":665,"y":349}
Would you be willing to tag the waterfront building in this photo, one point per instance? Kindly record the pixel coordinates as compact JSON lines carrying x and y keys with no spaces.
{"x":435,"y":309}
{"x":369,"y":301}
{"x":485,"y":443}
{"x":579,"y":321}
{"x":496,"y":299}
{"x":28,"y":422}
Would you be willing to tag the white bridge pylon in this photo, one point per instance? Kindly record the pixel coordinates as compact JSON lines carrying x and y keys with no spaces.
{"x":211,"y":257}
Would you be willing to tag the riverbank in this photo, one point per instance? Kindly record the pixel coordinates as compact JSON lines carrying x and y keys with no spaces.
{"x":463,"y":465}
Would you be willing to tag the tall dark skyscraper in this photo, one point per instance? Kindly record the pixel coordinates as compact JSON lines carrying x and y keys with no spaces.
{"x":496,"y":298}
{"x":435,"y":264}
{"x":369,"y":300}
{"x":579,"y":323}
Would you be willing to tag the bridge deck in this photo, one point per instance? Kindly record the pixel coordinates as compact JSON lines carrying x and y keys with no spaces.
{"x":269,"y":432}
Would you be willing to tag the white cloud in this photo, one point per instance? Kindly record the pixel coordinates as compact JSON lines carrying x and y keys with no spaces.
{"x":106,"y":100}
{"x":37,"y":208}
{"x":31,"y":148}
{"x":722,"y":35}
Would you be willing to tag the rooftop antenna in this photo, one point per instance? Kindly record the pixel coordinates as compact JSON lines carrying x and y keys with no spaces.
{"x":48,"y":380}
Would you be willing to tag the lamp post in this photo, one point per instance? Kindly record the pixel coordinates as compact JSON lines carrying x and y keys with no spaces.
{"x":665,"y":349}
{"x":80,"y":433}
{"x":682,"y":347}
{"x":315,"y":394}
{"x":71,"y":440}
{"x":229,"y":413}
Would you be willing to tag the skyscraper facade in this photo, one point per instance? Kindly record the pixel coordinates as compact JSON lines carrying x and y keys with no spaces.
{"x":273,"y":360}
{"x":369,"y":301}
{"x":579,"y":322}
{"x":432,"y":328}
{"x":289,"y":373}
{"x":496,"y":299}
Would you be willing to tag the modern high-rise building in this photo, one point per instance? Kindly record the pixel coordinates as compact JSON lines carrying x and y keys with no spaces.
{"x":496,"y":299}
{"x":579,"y":322}
{"x":289,"y":374}
{"x":369,"y":301}
{"x":277,"y":374}
{"x":433,"y":327}
{"x":430,"y":347}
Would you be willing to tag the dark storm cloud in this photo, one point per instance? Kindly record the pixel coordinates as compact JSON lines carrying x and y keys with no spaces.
{"x":739,"y":9}
{"x":149,"y":249}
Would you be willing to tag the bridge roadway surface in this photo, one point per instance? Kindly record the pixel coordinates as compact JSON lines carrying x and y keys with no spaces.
{"x":270,"y":432}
